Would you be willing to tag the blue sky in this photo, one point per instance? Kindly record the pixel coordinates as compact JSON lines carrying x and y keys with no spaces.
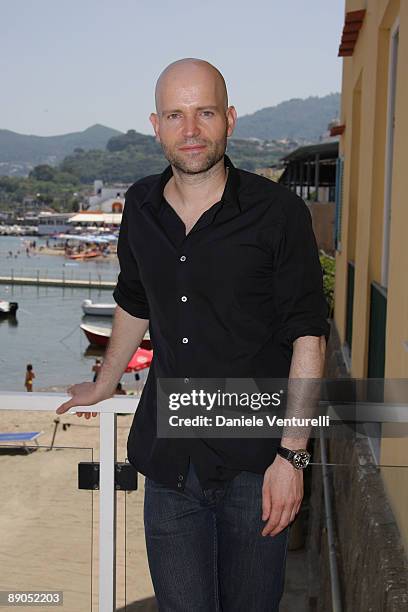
{"x":66,"y":65}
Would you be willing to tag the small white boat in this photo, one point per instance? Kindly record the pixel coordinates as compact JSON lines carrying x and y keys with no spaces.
{"x":104,"y":310}
{"x":8,"y":308}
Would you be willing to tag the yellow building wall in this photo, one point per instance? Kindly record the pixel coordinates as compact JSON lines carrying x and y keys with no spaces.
{"x":363,"y":144}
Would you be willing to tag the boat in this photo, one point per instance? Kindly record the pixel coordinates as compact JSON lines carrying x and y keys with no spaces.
{"x":99,"y":336}
{"x":103,"y":310}
{"x":8,"y":309}
{"x":85,"y":255}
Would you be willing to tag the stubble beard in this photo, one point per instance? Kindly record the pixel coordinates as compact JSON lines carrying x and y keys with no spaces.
{"x":214,"y":153}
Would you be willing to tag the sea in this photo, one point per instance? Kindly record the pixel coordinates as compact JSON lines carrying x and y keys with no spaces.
{"x":46,"y":330}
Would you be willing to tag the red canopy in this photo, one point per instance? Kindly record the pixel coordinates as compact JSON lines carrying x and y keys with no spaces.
{"x":140,"y":360}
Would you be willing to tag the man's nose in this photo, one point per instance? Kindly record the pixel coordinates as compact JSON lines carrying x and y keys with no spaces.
{"x":191,"y":128}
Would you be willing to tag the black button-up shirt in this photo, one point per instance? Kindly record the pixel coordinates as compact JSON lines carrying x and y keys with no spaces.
{"x":227,"y":300}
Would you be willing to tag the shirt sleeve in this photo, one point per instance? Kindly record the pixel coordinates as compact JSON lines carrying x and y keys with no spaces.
{"x":300,"y":301}
{"x":129,"y":292}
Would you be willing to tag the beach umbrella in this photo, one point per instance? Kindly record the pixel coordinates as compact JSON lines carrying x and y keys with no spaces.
{"x":140,"y":360}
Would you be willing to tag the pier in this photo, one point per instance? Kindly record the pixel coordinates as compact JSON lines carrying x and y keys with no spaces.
{"x":39,"y":280}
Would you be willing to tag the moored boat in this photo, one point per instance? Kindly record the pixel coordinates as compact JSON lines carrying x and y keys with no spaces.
{"x":99,"y":336}
{"x":85,"y":255}
{"x":104,"y":310}
{"x":8,"y":309}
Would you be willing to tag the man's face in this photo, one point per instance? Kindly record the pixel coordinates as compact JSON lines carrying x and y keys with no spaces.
{"x":192,"y":122}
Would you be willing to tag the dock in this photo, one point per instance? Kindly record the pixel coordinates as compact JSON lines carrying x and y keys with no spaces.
{"x":38,"y":280}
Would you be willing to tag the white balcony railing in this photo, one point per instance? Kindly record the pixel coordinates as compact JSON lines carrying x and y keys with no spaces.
{"x":49,"y":402}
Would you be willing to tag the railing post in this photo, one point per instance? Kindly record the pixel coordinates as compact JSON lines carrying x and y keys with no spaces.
{"x":107,"y":512}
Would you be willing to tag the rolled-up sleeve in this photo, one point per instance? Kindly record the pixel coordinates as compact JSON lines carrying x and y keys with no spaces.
{"x":129,"y":292}
{"x":300,"y":301}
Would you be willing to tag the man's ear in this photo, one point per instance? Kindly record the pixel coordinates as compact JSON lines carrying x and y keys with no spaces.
{"x":231,"y":119}
{"x":154,"y":120}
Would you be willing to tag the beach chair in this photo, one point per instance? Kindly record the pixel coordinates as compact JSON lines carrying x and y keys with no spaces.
{"x":20,"y":436}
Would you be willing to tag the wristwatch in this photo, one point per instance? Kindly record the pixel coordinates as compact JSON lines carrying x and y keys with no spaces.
{"x":298,"y":458}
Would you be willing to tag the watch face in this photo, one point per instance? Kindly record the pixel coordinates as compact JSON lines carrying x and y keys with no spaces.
{"x":301,"y":459}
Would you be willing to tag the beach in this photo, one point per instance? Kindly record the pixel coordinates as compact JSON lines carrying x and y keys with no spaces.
{"x":49,"y":528}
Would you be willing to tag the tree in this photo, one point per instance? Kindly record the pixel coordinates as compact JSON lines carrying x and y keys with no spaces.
{"x":43,"y":172}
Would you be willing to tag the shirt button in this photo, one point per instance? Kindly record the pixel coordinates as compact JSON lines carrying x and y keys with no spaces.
{"x":186,"y":380}
{"x":184,"y":298}
{"x":180,"y":477}
{"x":183,"y":258}
{"x":179,"y":485}
{"x":185,"y":340}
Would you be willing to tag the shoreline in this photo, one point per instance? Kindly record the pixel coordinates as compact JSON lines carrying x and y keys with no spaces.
{"x":61,"y":252}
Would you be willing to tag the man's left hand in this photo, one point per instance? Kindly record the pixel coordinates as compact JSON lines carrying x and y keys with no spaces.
{"x":282,"y":494}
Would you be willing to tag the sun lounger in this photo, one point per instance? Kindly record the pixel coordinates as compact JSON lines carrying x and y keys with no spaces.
{"x":20,"y":436}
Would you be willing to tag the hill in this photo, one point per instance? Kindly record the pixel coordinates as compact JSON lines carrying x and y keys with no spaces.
{"x":19,"y":153}
{"x":297,"y":119}
{"x":131,"y":156}
{"x":102,"y":152}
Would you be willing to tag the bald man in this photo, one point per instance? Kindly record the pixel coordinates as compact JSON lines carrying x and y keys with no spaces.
{"x":222,"y":266}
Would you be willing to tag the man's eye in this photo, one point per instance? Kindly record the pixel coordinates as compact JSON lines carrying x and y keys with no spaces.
{"x":208,"y":113}
{"x":173,"y":116}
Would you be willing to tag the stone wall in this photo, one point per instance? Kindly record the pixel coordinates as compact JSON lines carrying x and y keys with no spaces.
{"x":373,"y":568}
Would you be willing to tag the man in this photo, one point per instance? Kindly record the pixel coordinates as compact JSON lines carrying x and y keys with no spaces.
{"x":222,"y":266}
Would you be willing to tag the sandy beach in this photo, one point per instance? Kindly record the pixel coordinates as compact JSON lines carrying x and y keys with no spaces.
{"x":49,"y":528}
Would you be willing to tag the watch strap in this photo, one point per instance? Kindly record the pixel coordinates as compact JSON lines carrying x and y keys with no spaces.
{"x":286,"y":453}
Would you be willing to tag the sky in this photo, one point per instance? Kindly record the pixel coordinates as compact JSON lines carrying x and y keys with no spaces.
{"x":68,"y":64}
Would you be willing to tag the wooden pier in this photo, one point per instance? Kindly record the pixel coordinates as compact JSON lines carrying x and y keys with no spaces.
{"x":57,"y":282}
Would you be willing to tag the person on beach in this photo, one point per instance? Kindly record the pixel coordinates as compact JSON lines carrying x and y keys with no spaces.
{"x":29,"y":377}
{"x":120,"y":390}
{"x":223,"y":266}
{"x":96,"y":368}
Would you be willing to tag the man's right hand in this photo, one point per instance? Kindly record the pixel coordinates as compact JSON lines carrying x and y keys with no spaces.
{"x":83,"y":394}
{"x":127,"y":334}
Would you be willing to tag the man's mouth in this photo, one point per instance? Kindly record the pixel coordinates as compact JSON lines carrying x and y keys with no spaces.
{"x":192,"y":148}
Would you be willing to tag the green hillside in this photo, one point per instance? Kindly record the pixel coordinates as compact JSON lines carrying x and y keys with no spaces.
{"x":20,"y":152}
{"x":298,"y":119}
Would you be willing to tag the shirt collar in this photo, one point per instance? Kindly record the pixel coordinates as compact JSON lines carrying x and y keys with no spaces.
{"x":155,"y":195}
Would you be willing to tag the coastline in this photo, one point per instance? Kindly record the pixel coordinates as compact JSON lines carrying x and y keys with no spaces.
{"x":61,"y":252}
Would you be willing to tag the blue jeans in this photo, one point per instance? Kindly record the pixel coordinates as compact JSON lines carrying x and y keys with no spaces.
{"x":205,"y":548}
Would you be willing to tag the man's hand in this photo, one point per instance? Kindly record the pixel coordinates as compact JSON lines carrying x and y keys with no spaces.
{"x":83,"y":394}
{"x":282,"y":494}
{"x":127,"y":334}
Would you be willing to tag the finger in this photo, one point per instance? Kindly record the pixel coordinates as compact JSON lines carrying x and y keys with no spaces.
{"x":87,"y":415}
{"x":274,"y":519}
{"x":94,"y":414}
{"x":79,"y":414}
{"x":64,"y":407}
{"x":284,"y":522}
{"x":266,"y":503}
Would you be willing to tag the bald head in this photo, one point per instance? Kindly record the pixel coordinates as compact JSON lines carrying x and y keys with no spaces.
{"x":192,"y":120}
{"x":180,"y":77}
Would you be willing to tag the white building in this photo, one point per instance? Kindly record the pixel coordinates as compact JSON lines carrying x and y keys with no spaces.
{"x":53,"y":223}
{"x":103,"y":198}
